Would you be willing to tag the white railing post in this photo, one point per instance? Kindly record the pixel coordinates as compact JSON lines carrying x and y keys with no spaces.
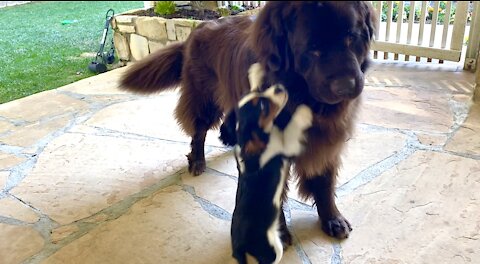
{"x":476,"y":89}
{"x":389,"y":24}
{"x":148,"y":4}
{"x":459,"y":25}
{"x":423,"y":15}
{"x":473,"y":39}
{"x":399,"y":25}
{"x":411,"y":19}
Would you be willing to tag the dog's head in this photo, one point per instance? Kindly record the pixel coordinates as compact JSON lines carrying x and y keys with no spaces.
{"x":255,"y":116}
{"x":326,"y":43}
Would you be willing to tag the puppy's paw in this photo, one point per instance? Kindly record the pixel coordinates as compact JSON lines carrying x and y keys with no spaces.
{"x":303,"y":116}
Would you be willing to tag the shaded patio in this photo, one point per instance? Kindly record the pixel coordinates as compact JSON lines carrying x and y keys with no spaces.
{"x":90,"y":174}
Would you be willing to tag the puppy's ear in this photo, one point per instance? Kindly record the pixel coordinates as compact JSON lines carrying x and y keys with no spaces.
{"x":270,"y":36}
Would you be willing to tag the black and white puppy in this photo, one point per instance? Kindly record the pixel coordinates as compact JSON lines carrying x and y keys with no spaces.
{"x":263,"y":154}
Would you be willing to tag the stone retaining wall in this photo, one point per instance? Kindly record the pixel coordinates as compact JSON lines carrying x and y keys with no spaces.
{"x":137,"y":36}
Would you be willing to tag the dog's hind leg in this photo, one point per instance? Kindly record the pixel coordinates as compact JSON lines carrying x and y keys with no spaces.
{"x":196,"y":158}
{"x":196,"y":119}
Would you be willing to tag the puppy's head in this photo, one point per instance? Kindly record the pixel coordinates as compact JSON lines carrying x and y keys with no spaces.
{"x":255,"y":116}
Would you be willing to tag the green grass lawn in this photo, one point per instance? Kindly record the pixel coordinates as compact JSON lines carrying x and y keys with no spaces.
{"x":38,"y":53}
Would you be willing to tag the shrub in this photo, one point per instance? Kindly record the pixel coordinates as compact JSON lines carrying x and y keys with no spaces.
{"x":223,"y":11}
{"x":407,"y":11}
{"x":164,"y":7}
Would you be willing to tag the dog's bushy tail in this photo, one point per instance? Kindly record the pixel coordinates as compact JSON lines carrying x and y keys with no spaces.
{"x":158,"y":72}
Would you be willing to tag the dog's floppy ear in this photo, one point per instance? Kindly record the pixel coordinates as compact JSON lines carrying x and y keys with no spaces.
{"x":269,"y":37}
{"x":371,"y":19}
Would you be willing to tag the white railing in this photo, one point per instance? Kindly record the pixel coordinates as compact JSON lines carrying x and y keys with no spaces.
{"x":436,"y":30}
{"x":409,"y":34}
{"x":241,"y":3}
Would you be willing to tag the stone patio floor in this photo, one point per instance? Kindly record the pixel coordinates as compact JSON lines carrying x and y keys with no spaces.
{"x":90,"y":174}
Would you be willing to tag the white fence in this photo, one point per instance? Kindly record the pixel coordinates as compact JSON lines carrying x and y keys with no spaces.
{"x":241,"y":3}
{"x":435,"y":30}
{"x":412,"y":30}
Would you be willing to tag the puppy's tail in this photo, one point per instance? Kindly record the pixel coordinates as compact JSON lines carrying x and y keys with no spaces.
{"x":158,"y":72}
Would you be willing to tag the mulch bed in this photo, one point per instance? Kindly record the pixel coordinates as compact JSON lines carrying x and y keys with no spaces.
{"x":184,"y":13}
{"x":188,"y":13}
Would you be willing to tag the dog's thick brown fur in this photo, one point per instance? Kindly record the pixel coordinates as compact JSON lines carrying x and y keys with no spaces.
{"x":318,"y":50}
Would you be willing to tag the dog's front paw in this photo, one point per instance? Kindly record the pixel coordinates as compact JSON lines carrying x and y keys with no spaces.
{"x":337,"y":227}
{"x":196,"y":167}
{"x":303,"y":116}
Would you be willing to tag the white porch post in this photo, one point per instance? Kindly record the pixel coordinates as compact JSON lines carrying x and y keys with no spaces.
{"x":473,"y":39}
{"x":476,"y":89}
{"x":148,"y":4}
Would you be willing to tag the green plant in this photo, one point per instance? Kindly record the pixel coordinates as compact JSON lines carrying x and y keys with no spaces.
{"x":408,"y":11}
{"x":235,"y":8}
{"x":223,"y":11}
{"x":164,"y":7}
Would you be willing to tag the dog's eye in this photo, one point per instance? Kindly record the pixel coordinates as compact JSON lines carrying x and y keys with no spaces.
{"x":354,"y":35}
{"x":316,"y":53}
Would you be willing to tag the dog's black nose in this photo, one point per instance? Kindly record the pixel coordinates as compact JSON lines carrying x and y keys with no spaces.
{"x":345,"y":87}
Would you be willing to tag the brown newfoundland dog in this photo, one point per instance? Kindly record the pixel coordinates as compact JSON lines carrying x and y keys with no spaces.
{"x":318,"y":50}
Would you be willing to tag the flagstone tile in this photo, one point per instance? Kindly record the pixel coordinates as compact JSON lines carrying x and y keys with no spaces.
{"x":424,"y":210}
{"x":12,"y":208}
{"x":9,"y":160}
{"x":78,"y":175}
{"x":465,"y":140}
{"x":41,"y":105}
{"x":28,"y":135}
{"x":168,"y":227}
{"x":151,"y":117}
{"x":18,"y":243}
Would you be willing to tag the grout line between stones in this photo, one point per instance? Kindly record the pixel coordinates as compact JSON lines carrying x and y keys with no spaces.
{"x":12,"y":221}
{"x":337,"y":254}
{"x":296,"y":244}
{"x":14,"y":122}
{"x":220,"y":174}
{"x":374,"y":171}
{"x":209,"y":207}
